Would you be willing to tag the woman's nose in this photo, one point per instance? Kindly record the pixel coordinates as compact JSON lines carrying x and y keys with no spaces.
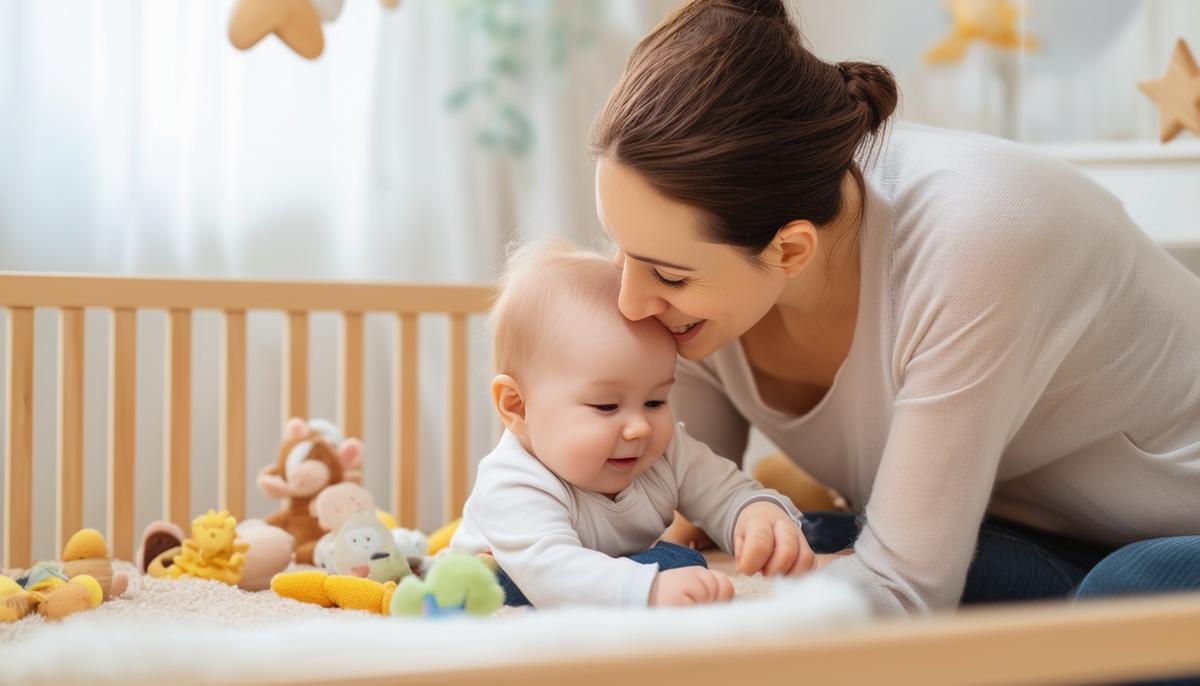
{"x":635,"y":301}
{"x":636,"y":427}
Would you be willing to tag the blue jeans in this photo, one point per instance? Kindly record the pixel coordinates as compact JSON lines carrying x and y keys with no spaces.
{"x":1015,"y":562}
{"x":667,"y":555}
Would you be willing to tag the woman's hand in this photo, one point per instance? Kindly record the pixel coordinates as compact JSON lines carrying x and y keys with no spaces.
{"x":690,"y":586}
{"x":765,"y":539}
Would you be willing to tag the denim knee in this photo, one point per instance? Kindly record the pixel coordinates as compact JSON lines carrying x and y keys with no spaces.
{"x":670,"y":556}
{"x":1157,"y":565}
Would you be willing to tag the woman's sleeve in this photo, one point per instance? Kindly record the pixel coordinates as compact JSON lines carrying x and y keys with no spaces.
{"x":981,"y":330}
{"x":699,"y":401}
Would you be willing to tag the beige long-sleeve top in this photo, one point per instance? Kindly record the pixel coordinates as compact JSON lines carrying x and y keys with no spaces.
{"x":563,"y":545}
{"x":1021,"y":347}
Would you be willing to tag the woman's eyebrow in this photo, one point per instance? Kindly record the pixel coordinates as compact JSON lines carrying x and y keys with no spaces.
{"x":660,"y":263}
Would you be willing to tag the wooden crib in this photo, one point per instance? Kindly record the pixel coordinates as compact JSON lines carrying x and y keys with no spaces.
{"x":1036,"y":644}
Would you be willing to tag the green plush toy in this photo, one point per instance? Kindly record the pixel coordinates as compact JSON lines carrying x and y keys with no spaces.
{"x":456,"y":583}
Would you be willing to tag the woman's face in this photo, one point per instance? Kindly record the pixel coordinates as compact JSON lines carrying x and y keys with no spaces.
{"x":706,"y":294}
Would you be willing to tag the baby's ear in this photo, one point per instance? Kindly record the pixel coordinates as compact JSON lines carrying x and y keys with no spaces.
{"x":510,"y":403}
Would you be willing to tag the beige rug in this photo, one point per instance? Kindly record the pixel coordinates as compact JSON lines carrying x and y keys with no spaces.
{"x":194,"y":631}
{"x":217,"y":603}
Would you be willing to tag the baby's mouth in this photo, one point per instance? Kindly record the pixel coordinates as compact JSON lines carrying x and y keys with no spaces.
{"x":622,"y":463}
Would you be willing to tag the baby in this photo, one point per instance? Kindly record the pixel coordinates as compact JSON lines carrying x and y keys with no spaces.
{"x":592,"y":467}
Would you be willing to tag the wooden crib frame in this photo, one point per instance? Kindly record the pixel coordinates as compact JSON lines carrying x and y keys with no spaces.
{"x":125,"y":297}
{"x":1046,"y":643}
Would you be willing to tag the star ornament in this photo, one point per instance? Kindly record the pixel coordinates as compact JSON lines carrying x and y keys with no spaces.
{"x":296,"y":22}
{"x":995,"y":22}
{"x":1177,"y":94}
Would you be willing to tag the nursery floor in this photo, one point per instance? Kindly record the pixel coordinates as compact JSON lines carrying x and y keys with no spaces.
{"x":215,"y":602}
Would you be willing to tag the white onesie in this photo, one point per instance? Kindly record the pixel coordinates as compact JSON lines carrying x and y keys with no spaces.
{"x":563,"y":545}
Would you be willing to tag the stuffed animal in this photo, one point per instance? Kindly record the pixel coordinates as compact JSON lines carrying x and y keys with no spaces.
{"x":212,"y":552}
{"x":367,"y":563}
{"x":56,"y":591}
{"x":86,"y":553}
{"x":75,"y":595}
{"x":334,"y":590}
{"x":313,"y":456}
{"x":456,"y":583}
{"x":269,"y":551}
{"x":335,"y":504}
{"x":440,"y":539}
{"x":365,"y":548}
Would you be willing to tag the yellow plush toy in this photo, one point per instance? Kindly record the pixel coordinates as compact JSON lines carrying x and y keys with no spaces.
{"x":211,"y":552}
{"x":335,"y":590}
{"x":83,"y":581}
{"x":441,"y":538}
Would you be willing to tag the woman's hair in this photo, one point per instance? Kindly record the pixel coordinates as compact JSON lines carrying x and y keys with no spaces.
{"x":723,"y":108}
{"x":545,"y":285}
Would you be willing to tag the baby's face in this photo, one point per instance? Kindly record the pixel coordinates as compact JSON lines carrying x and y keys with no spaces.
{"x":596,"y":401}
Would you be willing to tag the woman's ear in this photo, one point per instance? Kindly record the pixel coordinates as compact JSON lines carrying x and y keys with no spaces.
{"x":510,"y":403}
{"x":794,"y":246}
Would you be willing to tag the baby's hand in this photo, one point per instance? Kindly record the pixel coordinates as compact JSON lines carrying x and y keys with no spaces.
{"x":690,"y":586}
{"x":765,"y":539}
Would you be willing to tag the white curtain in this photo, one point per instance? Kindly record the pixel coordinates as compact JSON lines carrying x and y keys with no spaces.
{"x":135,"y":139}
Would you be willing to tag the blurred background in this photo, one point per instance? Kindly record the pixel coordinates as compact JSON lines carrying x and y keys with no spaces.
{"x":135,"y":139}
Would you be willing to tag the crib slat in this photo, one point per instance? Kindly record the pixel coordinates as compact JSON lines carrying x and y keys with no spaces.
{"x":404,"y":438}
{"x":350,"y":381}
{"x":456,"y":440}
{"x":233,"y":414}
{"x":18,"y":439}
{"x":295,"y":378}
{"x":122,"y":404}
{"x":178,"y":413}
{"x":70,"y":424}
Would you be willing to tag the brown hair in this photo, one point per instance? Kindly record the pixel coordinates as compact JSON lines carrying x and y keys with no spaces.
{"x":723,"y":108}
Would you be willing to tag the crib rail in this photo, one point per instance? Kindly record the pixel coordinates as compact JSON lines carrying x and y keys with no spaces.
{"x":125,"y":296}
{"x":1045,"y":643}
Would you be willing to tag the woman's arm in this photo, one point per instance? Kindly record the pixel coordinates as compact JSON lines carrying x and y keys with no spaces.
{"x":699,"y":401}
{"x":980,"y":332}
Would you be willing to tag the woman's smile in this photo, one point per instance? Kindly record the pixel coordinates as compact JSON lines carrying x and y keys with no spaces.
{"x":687,"y":332}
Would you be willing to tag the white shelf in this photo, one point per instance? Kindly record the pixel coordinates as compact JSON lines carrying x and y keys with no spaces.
{"x":1180,"y":150}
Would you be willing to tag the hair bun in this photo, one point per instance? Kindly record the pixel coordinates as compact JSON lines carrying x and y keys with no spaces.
{"x":874,"y":86}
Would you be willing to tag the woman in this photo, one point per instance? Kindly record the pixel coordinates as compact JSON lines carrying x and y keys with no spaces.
{"x":940,"y":325}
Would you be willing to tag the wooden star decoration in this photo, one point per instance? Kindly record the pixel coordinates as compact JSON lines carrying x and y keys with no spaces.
{"x":1177,"y":94}
{"x":296,"y":22}
{"x":990,"y":21}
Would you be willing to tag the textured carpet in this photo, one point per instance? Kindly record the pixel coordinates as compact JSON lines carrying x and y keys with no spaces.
{"x":205,"y":631}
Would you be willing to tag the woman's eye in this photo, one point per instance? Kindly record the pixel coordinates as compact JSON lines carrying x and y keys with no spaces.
{"x":655,"y":404}
{"x":605,"y":408}
{"x":674,"y":283}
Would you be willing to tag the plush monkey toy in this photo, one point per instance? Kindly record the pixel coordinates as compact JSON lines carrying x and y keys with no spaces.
{"x":313,"y":456}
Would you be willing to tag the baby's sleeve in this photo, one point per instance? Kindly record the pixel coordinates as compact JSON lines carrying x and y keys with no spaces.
{"x":524,"y":518}
{"x":712,"y":491}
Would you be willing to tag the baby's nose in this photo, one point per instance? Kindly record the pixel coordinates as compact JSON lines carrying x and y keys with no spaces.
{"x":637,"y":427}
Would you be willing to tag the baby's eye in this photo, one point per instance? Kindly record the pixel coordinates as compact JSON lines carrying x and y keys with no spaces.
{"x":605,"y":407}
{"x":655,"y":404}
